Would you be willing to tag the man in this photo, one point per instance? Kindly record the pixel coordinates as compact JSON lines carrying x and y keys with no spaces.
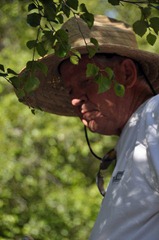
{"x":130,"y":208}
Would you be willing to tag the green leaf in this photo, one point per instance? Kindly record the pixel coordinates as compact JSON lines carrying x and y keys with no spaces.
{"x":91,"y":51}
{"x":60,"y":50}
{"x":74,"y":59}
{"x":119,"y":89}
{"x":86,"y":16}
{"x":31,"y":84}
{"x":10,"y":71}
{"x":140,"y":27}
{"x":31,"y":7}
{"x":33,"y":19}
{"x":151,"y":39}
{"x":77,"y":53}
{"x":50,"y":10}
{"x":3,"y":74}
{"x":146,"y":12}
{"x":110,"y":73}
{"x":2,"y":68}
{"x":66,"y":10}
{"x":20,"y":93}
{"x":42,"y":66}
{"x":41,"y":49}
{"x":114,"y":2}
{"x":16,"y":81}
{"x":92,"y":70}
{"x":95,"y":42}
{"x":60,"y":18}
{"x":72,"y":4}
{"x":49,"y":37}
{"x":62,"y":46}
{"x":62,"y":35}
{"x":104,"y":83}
{"x":154,"y":23}
{"x":31,"y":44}
{"x":32,"y":66}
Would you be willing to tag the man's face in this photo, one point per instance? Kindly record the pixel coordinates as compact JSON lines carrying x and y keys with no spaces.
{"x":99,"y":112}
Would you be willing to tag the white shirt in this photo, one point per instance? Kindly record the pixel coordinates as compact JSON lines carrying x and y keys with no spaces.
{"x":130,"y":209}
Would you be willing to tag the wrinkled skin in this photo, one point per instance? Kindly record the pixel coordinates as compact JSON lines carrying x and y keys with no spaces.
{"x":104,"y":113}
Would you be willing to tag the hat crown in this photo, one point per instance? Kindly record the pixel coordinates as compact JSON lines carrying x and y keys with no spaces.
{"x":106,"y":31}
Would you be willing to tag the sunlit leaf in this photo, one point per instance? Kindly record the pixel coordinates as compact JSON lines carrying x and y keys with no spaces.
{"x":119,"y":89}
{"x":74,"y":59}
{"x":77,"y":53}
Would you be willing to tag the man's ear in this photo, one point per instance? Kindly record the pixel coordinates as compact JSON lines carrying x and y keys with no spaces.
{"x":129,"y":73}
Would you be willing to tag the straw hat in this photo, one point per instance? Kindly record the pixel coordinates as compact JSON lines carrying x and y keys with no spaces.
{"x":113,"y":37}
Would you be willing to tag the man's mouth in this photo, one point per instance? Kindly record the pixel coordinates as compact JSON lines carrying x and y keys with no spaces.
{"x":90,"y":115}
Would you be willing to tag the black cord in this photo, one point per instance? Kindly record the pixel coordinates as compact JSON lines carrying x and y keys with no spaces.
{"x":86,"y":135}
{"x":149,"y":84}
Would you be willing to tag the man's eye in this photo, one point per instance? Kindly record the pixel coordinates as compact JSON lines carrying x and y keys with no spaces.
{"x":70,"y":91}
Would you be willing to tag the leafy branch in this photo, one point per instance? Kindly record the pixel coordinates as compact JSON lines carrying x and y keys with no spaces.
{"x":105,"y":78}
{"x":147,"y":24}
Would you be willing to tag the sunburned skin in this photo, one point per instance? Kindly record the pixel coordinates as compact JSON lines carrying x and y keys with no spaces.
{"x":104,"y":113}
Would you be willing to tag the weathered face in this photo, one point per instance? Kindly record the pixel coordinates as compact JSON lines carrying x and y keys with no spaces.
{"x":99,"y":112}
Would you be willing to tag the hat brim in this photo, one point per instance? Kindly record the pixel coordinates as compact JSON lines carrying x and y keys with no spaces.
{"x":52,"y":97}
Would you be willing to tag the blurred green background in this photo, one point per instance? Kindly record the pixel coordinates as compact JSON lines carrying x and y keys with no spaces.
{"x":47,"y":174}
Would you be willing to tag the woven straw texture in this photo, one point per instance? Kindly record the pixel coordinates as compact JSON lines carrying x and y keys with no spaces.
{"x":113,"y":37}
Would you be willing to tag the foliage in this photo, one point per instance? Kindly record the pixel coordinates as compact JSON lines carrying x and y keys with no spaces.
{"x":46,"y":176}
